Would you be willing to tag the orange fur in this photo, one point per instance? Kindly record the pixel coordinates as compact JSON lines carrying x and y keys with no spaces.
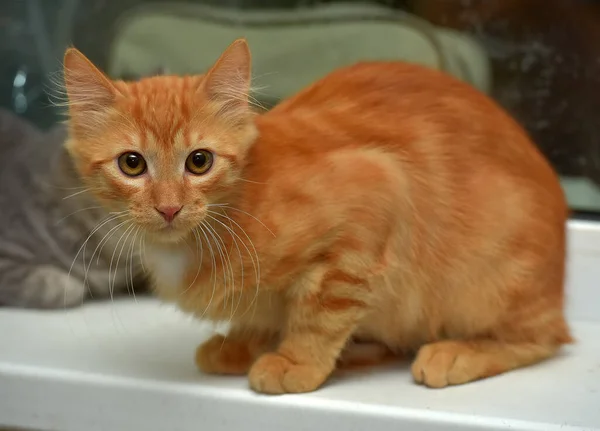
{"x":387,"y":202}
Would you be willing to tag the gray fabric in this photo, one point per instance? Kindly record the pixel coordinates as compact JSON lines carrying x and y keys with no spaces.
{"x":41,"y":231}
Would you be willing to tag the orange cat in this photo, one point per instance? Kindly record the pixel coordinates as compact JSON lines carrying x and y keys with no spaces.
{"x":386,"y":202}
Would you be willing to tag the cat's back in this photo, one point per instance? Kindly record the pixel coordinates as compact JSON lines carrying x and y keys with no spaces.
{"x":374,"y":83}
{"x":389,"y":132}
{"x":430,"y":121}
{"x":409,"y":102}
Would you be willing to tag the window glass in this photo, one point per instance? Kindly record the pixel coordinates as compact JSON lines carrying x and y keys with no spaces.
{"x":538,"y":58}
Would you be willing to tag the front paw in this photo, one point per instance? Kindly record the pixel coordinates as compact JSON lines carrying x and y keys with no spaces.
{"x":220,"y":355}
{"x":273,"y":373}
{"x":445,"y":363}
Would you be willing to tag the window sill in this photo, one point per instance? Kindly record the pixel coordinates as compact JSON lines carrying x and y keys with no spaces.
{"x":128,"y":366}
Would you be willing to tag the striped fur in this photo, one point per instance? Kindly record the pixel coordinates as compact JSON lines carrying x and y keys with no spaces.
{"x":386,"y":203}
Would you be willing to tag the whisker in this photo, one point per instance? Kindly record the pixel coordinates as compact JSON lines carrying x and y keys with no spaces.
{"x":111,"y":288}
{"x":223,"y":266}
{"x":143,"y":252}
{"x":250,"y":181}
{"x":130,"y":229}
{"x":199,"y":247}
{"x":232,"y":273}
{"x":100,"y":225}
{"x":129,"y":260}
{"x":255,"y":264}
{"x":257,"y":267}
{"x":234,"y":237}
{"x":90,"y":263}
{"x":213,"y":270}
{"x":75,"y":212}
{"x":242,"y":267}
{"x":77,"y":193}
{"x":82,"y":247}
{"x":248,"y":214}
{"x":100,"y":246}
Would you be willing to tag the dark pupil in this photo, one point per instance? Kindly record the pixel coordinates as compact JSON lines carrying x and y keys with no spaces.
{"x":199,"y":159}
{"x":132,"y":161}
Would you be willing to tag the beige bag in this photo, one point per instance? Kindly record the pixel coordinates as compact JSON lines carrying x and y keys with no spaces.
{"x":291,"y":48}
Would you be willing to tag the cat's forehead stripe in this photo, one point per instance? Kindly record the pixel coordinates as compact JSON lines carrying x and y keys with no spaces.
{"x":176,"y":138}
{"x":163,"y":126}
{"x":162,"y":106}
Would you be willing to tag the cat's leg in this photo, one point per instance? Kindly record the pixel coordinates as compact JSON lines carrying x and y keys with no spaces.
{"x":234,"y":353}
{"x":531,"y":328}
{"x":41,"y":286}
{"x":320,"y":321}
{"x":444,"y":363}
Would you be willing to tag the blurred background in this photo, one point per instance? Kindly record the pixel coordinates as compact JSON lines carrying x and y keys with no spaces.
{"x":540,"y":59}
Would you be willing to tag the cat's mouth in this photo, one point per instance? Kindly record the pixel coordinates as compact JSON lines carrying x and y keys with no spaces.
{"x":168,"y":231}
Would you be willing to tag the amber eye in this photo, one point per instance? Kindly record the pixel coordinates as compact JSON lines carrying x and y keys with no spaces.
{"x":199,"y":162}
{"x":132,"y":164}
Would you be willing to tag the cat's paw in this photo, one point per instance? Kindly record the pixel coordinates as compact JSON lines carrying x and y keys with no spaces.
{"x":273,"y":373}
{"x":444,"y":363}
{"x":220,"y":355}
{"x":47,"y":287}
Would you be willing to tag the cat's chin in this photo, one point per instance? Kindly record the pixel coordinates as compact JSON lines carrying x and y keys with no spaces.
{"x":167,"y":236}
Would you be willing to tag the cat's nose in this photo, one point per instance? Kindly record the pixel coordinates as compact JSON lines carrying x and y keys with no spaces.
{"x":168,"y":212}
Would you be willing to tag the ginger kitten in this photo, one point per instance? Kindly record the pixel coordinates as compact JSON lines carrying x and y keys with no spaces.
{"x":387,"y":202}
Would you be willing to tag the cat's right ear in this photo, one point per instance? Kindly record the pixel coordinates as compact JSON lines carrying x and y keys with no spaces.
{"x":90,"y":93}
{"x":228,"y":81}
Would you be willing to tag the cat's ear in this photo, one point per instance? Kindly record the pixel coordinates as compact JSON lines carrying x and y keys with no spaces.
{"x":89,"y":91}
{"x":228,"y":81}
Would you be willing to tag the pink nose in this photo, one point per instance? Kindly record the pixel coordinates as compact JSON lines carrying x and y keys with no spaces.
{"x":168,"y":212}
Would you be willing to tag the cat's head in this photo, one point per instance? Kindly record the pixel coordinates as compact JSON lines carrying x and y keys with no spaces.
{"x":165,"y":148}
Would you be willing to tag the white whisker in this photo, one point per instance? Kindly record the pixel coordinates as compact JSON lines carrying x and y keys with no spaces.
{"x":83,"y":247}
{"x":255,"y":264}
{"x":232,"y":274}
{"x":248,"y":214}
{"x":143,"y":252}
{"x":223,"y":266}
{"x":129,"y":261}
{"x":199,"y":247}
{"x":99,"y":226}
{"x":250,"y":181}
{"x":257,"y":267}
{"x":76,"y":193}
{"x":213,"y":271}
{"x":76,"y":212}
{"x":100,"y":246}
{"x":111,"y":287}
{"x":130,"y":229}
{"x":235,"y":237}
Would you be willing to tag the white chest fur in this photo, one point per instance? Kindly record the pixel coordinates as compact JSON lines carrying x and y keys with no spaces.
{"x":168,"y":267}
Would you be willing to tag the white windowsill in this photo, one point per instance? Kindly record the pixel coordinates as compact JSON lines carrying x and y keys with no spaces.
{"x":129,"y":366}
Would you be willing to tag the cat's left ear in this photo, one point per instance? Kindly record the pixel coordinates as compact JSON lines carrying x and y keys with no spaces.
{"x":228,"y":81}
{"x":91,"y":93}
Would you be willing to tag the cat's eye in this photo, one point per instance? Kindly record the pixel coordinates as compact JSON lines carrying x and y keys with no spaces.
{"x":199,"y":162}
{"x":132,"y":164}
